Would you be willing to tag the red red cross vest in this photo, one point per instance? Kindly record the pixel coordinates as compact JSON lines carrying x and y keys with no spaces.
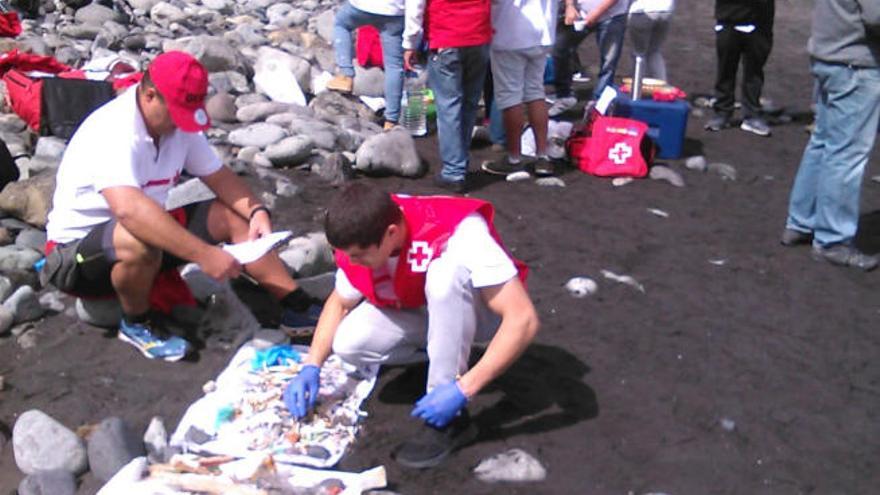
{"x":430,"y":221}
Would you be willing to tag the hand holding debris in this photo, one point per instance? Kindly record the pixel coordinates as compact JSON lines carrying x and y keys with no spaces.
{"x":441,"y":405}
{"x":301,"y":392}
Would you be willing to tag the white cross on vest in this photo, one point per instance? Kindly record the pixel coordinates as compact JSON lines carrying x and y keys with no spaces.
{"x":418,"y":256}
{"x":620,"y":152}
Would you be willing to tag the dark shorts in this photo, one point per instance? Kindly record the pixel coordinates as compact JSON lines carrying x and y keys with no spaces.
{"x":96,"y":255}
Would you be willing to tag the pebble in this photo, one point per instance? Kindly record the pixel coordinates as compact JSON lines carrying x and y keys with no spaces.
{"x":728,"y":424}
{"x":290,"y":151}
{"x":876,"y":179}
{"x":16,"y":258}
{"x":550,"y":182}
{"x":697,"y":162}
{"x":111,"y":446}
{"x":621,"y":181}
{"x":514,"y":465}
{"x":392,"y":152}
{"x":28,"y":339}
{"x":518,"y":176}
{"x":727,"y":172}
{"x":40,"y":443}
{"x":581,"y":286}
{"x":661,"y":172}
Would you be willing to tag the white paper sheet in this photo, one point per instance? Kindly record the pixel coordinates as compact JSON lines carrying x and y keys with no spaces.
{"x":249,"y":251}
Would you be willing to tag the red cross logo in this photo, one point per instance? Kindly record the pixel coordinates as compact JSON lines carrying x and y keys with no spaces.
{"x":620,"y":152}
{"x":418,"y":256}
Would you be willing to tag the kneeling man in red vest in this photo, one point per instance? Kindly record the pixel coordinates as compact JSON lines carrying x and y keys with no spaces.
{"x":420,"y":278}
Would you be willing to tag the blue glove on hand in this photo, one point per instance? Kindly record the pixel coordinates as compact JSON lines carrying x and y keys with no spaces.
{"x":300,"y":394}
{"x":441,"y":405}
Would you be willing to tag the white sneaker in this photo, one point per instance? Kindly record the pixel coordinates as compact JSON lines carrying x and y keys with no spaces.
{"x":562,"y":105}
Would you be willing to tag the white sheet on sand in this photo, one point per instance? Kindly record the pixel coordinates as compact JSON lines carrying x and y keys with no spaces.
{"x":323,"y":437}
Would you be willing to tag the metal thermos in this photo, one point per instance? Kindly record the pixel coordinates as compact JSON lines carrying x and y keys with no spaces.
{"x":637,"y":78}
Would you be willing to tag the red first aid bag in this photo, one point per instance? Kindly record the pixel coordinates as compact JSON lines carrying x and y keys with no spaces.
{"x":611,"y":147}
{"x":369,"y":47}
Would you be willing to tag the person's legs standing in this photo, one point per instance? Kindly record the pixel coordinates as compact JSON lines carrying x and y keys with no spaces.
{"x":508,"y":70}
{"x":347,"y":20}
{"x":851,"y":113}
{"x":655,"y":63}
{"x":756,"y":49}
{"x":475,"y":62}
{"x":727,"y":47}
{"x":609,"y":37}
{"x":391,"y":33}
{"x":567,"y":42}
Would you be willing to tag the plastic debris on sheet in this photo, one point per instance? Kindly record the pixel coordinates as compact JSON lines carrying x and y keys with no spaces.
{"x":245,"y":415}
{"x":254,"y":475}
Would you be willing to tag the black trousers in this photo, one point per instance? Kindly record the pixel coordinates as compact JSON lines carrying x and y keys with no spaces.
{"x":753,"y":49}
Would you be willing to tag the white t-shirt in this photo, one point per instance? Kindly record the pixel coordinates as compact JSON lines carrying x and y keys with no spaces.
{"x":471,"y":246}
{"x":112,"y":148}
{"x":381,"y":7}
{"x":651,"y":6}
{"x":620,"y":7}
{"x":522,"y":24}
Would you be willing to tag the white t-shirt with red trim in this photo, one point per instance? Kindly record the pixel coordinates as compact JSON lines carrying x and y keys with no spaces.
{"x":113,"y":148}
{"x":471,"y":246}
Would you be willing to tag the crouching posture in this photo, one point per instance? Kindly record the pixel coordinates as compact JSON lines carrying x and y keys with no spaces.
{"x":420,"y":278}
{"x":109,"y":233}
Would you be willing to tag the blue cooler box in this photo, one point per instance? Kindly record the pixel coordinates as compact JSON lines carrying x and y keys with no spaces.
{"x":667,"y":121}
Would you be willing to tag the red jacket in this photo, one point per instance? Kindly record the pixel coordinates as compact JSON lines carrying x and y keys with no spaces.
{"x":457,"y":23}
{"x":430,"y":221}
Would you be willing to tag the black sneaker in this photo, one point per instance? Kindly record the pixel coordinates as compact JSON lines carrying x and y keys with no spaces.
{"x":845,"y":255}
{"x":543,"y":167}
{"x":717,"y":123}
{"x":791,"y":237}
{"x":502,"y":167}
{"x":453,"y":186}
{"x":431,"y":445}
{"x":756,"y":125}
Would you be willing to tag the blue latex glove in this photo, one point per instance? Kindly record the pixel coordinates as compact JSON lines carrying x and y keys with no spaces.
{"x":300,"y":394}
{"x":441,"y":405}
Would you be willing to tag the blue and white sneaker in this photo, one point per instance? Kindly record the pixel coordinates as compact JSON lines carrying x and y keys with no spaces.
{"x":300,"y":323}
{"x":145,"y":339}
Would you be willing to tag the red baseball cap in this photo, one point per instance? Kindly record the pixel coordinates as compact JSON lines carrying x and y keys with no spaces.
{"x":183,"y":83}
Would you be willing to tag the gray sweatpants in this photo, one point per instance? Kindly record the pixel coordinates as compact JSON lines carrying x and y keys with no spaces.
{"x":455,"y":317}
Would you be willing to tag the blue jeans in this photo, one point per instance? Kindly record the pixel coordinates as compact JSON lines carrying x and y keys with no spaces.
{"x":825,"y":195}
{"x":609,"y":38}
{"x":390,"y":29}
{"x":456,"y":75}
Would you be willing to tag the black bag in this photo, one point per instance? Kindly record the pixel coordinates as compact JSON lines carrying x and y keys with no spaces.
{"x":8,"y":169}
{"x":65,"y":103}
{"x":61,"y":270}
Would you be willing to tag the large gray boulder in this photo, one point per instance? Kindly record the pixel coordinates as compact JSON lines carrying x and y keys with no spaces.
{"x":40,"y":443}
{"x":29,"y":200}
{"x":24,"y":305}
{"x":17,"y":258}
{"x":338,"y":109}
{"x":290,"y":151}
{"x":369,"y":82}
{"x":308,"y":255}
{"x":215,"y":53}
{"x":96,"y":14}
{"x":111,"y":446}
{"x":260,"y":135}
{"x":392,"y":152}
{"x":57,"y":482}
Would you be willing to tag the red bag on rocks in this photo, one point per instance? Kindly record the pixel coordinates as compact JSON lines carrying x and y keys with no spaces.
{"x":611,"y":147}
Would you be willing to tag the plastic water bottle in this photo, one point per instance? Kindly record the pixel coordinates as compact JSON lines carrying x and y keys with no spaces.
{"x":414,"y":105}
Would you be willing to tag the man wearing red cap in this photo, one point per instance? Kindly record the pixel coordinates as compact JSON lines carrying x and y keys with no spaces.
{"x":109,"y":232}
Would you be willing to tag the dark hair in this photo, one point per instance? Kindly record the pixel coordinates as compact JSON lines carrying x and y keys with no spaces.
{"x":359,"y":216}
{"x":147,"y":82}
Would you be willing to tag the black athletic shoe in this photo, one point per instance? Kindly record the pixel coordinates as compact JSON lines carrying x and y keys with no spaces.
{"x":453,"y":186}
{"x":717,"y":123}
{"x":502,"y":167}
{"x":543,"y":168}
{"x":429,"y":446}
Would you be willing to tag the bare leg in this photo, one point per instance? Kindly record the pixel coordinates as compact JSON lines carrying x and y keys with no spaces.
{"x":513,"y":124}
{"x":226,"y":225}
{"x":538,"y":119}
{"x":133,"y":274}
